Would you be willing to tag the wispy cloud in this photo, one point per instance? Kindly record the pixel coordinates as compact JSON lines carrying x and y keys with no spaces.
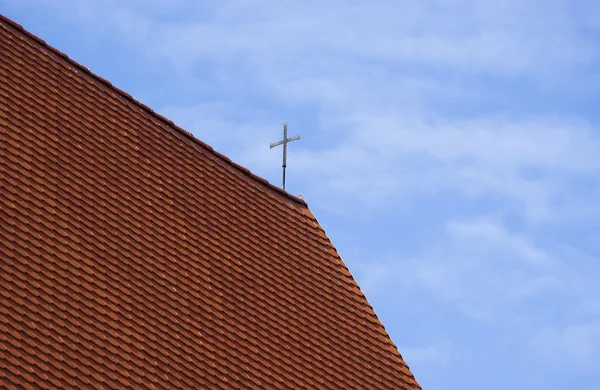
{"x":545,"y":302}
{"x":576,"y":346}
{"x":467,"y":35}
{"x":390,"y":158}
{"x":439,"y":355}
{"x":477,"y":265}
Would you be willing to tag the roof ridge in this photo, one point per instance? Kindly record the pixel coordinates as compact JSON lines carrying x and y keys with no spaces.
{"x":158,"y":116}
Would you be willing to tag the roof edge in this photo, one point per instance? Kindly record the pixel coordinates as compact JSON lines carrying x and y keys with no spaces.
{"x":150,"y":111}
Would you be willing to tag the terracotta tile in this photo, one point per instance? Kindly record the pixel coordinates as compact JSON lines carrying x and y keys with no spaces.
{"x":131,"y":256}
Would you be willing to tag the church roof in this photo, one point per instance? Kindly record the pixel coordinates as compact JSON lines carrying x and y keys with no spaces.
{"x":133,"y":255}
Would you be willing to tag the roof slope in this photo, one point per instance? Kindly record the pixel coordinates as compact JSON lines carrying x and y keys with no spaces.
{"x":133,"y":255}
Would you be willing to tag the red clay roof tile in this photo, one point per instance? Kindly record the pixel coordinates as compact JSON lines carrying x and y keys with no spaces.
{"x":134,"y":255}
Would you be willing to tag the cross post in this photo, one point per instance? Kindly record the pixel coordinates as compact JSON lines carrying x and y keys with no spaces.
{"x":284,"y":142}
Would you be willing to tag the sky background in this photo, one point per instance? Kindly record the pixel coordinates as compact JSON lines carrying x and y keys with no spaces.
{"x":450,"y":149}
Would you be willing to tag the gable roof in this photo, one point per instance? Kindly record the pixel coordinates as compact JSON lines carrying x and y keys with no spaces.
{"x":134,"y":255}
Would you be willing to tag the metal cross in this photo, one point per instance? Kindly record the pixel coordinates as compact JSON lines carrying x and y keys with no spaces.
{"x":284,"y":142}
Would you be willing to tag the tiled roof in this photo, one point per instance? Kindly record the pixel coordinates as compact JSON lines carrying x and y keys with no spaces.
{"x":134,"y":256}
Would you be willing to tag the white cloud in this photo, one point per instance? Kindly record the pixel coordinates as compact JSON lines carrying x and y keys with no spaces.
{"x":490,"y":237}
{"x":394,"y":158}
{"x":500,"y":36}
{"x":547,"y":304}
{"x":505,"y":36}
{"x":478,"y":265}
{"x":439,"y":354}
{"x":574,"y":346}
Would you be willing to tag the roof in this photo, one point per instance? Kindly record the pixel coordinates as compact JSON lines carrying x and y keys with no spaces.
{"x":135,"y":256}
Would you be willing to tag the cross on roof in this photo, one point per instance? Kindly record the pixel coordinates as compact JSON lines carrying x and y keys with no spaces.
{"x":284,"y":142}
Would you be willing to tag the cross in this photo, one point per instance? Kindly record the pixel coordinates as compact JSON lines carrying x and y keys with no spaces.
{"x":284,"y":142}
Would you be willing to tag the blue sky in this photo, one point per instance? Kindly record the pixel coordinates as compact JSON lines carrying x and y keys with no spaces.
{"x":449,"y":149}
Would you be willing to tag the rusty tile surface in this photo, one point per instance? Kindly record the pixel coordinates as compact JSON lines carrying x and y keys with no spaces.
{"x":134,"y":256}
